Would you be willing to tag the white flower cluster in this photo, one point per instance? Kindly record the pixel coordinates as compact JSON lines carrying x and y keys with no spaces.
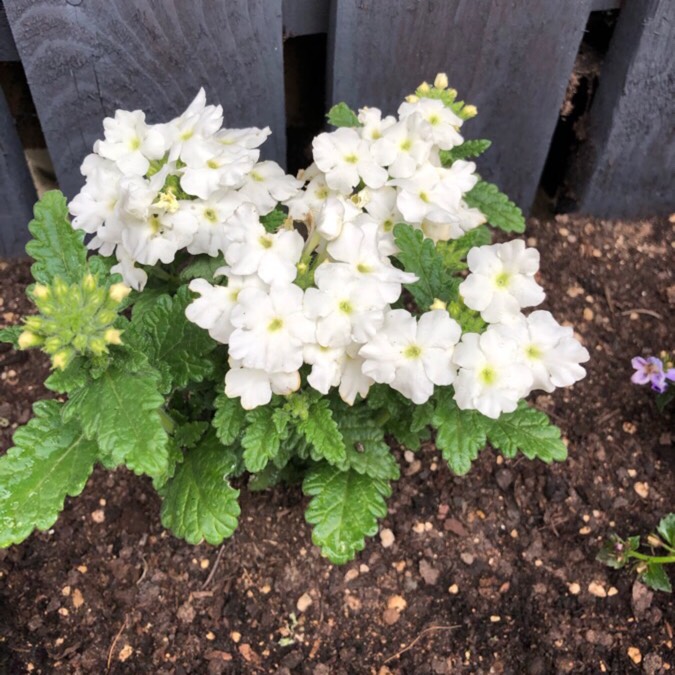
{"x":324,"y":299}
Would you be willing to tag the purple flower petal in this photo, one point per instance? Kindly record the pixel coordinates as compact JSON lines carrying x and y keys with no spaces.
{"x":640,"y":377}
{"x":670,"y":374}
{"x":638,"y":362}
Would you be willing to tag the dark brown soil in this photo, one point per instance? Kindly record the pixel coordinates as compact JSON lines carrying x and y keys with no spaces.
{"x":490,"y":572}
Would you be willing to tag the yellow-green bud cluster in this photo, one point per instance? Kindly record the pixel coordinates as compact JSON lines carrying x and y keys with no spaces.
{"x":73,"y":319}
{"x":440,"y":91}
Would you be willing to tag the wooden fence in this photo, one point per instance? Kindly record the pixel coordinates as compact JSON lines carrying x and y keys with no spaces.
{"x":512,"y":58}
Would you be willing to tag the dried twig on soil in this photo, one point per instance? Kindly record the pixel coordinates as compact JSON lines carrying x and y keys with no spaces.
{"x":214,"y":568}
{"x":408,"y":647}
{"x":114,"y":642}
{"x":639,"y":310}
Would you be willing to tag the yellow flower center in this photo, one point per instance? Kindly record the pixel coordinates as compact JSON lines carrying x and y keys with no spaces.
{"x":488,"y":375}
{"x":533,"y":352}
{"x":351,"y":159}
{"x":346,"y":306}
{"x":412,"y":352}
{"x":502,"y":280}
{"x":275,"y":325}
{"x":364,"y":269}
{"x":265,"y":242}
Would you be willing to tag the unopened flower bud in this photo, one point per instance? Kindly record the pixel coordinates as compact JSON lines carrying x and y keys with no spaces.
{"x":167,"y":201}
{"x":40,"y":292}
{"x":113,"y":336}
{"x":654,"y":541}
{"x":80,"y":342}
{"x":97,"y":346}
{"x":412,"y":98}
{"x":424,"y":87}
{"x":469,"y":111}
{"x":34,"y":323}
{"x":438,"y":304}
{"x":61,"y":359}
{"x":441,"y":81}
{"x":452,"y":93}
{"x":89,"y":282}
{"x":28,"y":340}
{"x":119,"y":291}
{"x":641,"y":568}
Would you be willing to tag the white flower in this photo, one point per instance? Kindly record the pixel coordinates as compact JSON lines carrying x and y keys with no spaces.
{"x":270,"y":328}
{"x":273,"y":257}
{"x":250,"y":137}
{"x":133,"y":276}
{"x":130,"y":142}
{"x":381,"y":207}
{"x":443,"y":123}
{"x":404,"y":146}
{"x":212,"y":215}
{"x":212,"y":310}
{"x":327,"y":365}
{"x":549,"y":350}
{"x":343,"y":310}
{"x":330,"y":219}
{"x":255,"y":387}
{"x":345,"y":158}
{"x":491,"y":378}
{"x":96,"y":201}
{"x":310,"y":201}
{"x":502,"y":280}
{"x":353,"y":381}
{"x":266,"y":185}
{"x":374,"y":125}
{"x":359,"y":256}
{"x":412,"y":356}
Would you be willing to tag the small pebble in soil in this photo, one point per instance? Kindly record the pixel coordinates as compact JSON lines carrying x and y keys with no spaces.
{"x":351,"y":575}
{"x":304,"y":602}
{"x":125,"y":652}
{"x":495,"y":618}
{"x":642,"y":489}
{"x":454,"y":589}
{"x":210,"y":636}
{"x":612,"y":590}
{"x":98,"y":516}
{"x":387,"y":537}
{"x":574,"y":588}
{"x":585,"y":530}
{"x":467,"y":558}
{"x":397,"y":602}
{"x":597,"y":589}
{"x":236,"y":636}
{"x":635,"y":655}
{"x":78,"y":598}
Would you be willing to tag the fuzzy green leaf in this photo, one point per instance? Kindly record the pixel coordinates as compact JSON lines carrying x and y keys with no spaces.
{"x":460,"y":434}
{"x":499,"y":210}
{"x":273,"y":220}
{"x":344,"y":509}
{"x":667,"y":528}
{"x":229,"y":419}
{"x":120,"y":410}
{"x":202,"y":267}
{"x":466,"y":150}
{"x":529,"y":431}
{"x":176,"y":347}
{"x":454,"y":251}
{"x":11,"y":334}
{"x":73,"y":377}
{"x":656,"y":577}
{"x":57,"y":249}
{"x":341,"y":115}
{"x":261,"y":440}
{"x":419,"y":255}
{"x":50,"y":461}
{"x":199,"y":504}
{"x":321,"y":431}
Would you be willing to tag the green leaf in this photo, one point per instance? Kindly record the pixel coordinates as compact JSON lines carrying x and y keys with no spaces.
{"x":229,"y":419}
{"x":529,"y":431}
{"x":419,"y":255}
{"x":261,"y":440}
{"x":499,"y":210}
{"x":176,"y":347}
{"x":73,"y":377}
{"x":273,"y":220}
{"x":656,"y":577}
{"x":189,"y":434}
{"x":454,"y":251}
{"x":466,"y":150}
{"x":199,"y":504}
{"x":664,"y":399}
{"x":57,"y":249}
{"x":469,"y":319}
{"x":11,"y":334}
{"x":50,"y":461}
{"x":666,"y":528}
{"x":321,"y":431}
{"x":341,"y":115}
{"x":202,"y":267}
{"x":344,"y":509}
{"x":460,"y":434}
{"x":121,"y":411}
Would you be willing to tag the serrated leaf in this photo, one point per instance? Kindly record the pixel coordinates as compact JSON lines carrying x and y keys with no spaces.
{"x":199,"y":504}
{"x":50,"y":460}
{"x":460,"y":434}
{"x":261,"y":440}
{"x":57,"y":249}
{"x":666,"y":528}
{"x":344,"y":509}
{"x":273,"y":220}
{"x":656,"y":577}
{"x":202,"y":267}
{"x":229,"y":419}
{"x":396,"y":416}
{"x":529,"y":431}
{"x":419,"y":256}
{"x":341,"y":115}
{"x":468,"y":149}
{"x":609,"y":555}
{"x":499,"y":210}
{"x":11,"y":334}
{"x":454,"y":251}
{"x":321,"y":431}
{"x":73,"y":377}
{"x":176,"y":347}
{"x":189,"y":434}
{"x":469,"y":319}
{"x":121,"y":411}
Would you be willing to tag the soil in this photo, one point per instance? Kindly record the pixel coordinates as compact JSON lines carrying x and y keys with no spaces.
{"x":494,"y":572}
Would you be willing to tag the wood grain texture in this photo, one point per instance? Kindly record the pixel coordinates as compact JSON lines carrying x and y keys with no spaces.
{"x":17,"y":192}
{"x":84,"y":59}
{"x":627,"y":167}
{"x":305,"y":17}
{"x":7,"y":47}
{"x":511,"y":58}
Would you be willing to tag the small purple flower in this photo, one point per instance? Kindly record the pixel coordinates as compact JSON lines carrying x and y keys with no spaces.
{"x":650,"y":370}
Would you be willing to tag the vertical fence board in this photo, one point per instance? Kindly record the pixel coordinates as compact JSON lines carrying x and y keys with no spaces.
{"x":511,"y":58}
{"x":7,"y":47}
{"x":17,"y":192}
{"x":84,"y":59}
{"x":627,"y":167}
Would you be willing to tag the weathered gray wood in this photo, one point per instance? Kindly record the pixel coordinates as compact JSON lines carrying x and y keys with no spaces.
{"x":84,"y":59}
{"x":511,"y":58}
{"x":7,"y":47}
{"x":17,"y":192}
{"x":305,"y":17}
{"x":604,"y":5}
{"x":627,"y":167}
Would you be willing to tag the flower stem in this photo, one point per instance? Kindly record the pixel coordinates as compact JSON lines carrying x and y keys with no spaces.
{"x":652,"y":559}
{"x":167,"y":421}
